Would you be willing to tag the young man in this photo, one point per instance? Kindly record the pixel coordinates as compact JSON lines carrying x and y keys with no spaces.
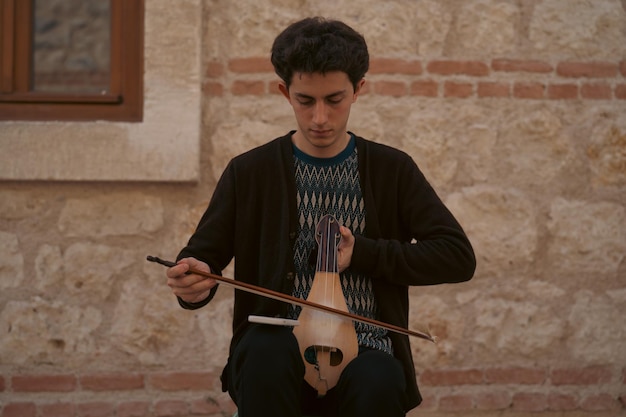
{"x":395,"y":233}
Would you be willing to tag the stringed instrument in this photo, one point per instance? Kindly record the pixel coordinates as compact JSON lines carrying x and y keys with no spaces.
{"x":327,"y":342}
{"x":325,"y":329}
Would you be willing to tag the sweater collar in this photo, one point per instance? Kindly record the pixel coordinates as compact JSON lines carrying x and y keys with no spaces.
{"x":340,"y":157}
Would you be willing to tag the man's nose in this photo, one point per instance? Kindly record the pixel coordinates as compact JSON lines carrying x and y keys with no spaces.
{"x":320,"y":113}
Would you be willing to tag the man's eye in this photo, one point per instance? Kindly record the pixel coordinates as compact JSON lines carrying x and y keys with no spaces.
{"x":305,"y":102}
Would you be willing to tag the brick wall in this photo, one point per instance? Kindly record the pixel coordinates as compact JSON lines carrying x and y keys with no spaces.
{"x":498,"y":78}
{"x":515,"y":110}
{"x":168,"y":394}
{"x":113,"y":394}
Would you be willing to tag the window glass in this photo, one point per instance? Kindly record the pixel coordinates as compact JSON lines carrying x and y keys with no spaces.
{"x":71,"y":46}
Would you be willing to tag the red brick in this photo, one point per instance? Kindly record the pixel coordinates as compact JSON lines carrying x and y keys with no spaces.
{"x":587,"y":69}
{"x":622,"y":68}
{"x":205,"y":406}
{"x":111,"y":382}
{"x":620,"y":93}
{"x":451,"y":377}
{"x":57,"y":410}
{"x":171,"y":408}
{"x":622,"y":400}
{"x":273,"y":87}
{"x":562,"y":91}
{"x":600,"y":402}
{"x":212,"y":89}
{"x":366,"y":88}
{"x":95,"y":409}
{"x":516,"y":65}
{"x":251,"y":65}
{"x":19,"y":410}
{"x":493,"y":89}
{"x":523,"y":376}
{"x":493,"y":401}
{"x":429,"y":403}
{"x":597,"y":91}
{"x":562,"y":402}
{"x":426,"y":88}
{"x":2,"y":384}
{"x":179,"y":381}
{"x":530,"y":402}
{"x":227,"y":405}
{"x":214,"y":69}
{"x":624,"y":376}
{"x":581,"y":376}
{"x":529,"y":90}
{"x":390,"y":88}
{"x":474,"y":68}
{"x":44,"y":383}
{"x":241,"y":88}
{"x":395,"y":66}
{"x":133,"y":409}
{"x":455,"y":403}
{"x":458,"y":90}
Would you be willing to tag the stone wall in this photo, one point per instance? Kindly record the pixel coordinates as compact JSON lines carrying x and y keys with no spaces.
{"x":515,"y":111}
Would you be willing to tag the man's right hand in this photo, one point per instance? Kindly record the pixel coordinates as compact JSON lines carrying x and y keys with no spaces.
{"x":191,"y":288}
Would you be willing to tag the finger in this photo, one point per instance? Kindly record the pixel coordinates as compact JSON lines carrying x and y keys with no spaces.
{"x":199,"y":288}
{"x":177,"y":271}
{"x":185,"y":281}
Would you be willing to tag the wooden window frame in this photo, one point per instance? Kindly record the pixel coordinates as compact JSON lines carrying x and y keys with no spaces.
{"x":123,"y":101}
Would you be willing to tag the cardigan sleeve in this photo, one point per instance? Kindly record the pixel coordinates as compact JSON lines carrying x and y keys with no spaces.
{"x":415,"y":239}
{"x":212,"y":241}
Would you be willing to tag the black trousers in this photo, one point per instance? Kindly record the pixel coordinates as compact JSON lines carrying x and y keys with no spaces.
{"x":266,"y":378}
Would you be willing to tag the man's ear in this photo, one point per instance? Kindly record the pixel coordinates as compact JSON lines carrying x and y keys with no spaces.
{"x":284,"y":90}
{"x":359,"y":88}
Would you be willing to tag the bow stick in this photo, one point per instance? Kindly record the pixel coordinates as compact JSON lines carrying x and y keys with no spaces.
{"x":275,"y":295}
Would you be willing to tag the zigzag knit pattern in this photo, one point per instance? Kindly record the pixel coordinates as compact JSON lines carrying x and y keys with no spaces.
{"x":331,"y":186}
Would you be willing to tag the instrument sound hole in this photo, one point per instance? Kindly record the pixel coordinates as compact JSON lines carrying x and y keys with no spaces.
{"x":312,"y":352}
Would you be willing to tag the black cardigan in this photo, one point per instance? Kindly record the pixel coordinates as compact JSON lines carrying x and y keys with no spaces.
{"x":411,"y":238}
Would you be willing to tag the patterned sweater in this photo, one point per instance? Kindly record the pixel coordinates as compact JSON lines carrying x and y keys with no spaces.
{"x":331,"y":186}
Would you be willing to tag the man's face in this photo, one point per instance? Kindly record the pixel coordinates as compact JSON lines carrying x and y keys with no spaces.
{"x":321,"y":104}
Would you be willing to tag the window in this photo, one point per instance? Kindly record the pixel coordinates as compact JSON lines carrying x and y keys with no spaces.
{"x":71,"y":60}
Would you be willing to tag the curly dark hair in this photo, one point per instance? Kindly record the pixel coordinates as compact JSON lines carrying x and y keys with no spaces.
{"x":319,"y":45}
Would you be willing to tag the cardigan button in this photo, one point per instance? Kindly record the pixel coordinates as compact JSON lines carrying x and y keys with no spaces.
{"x":292,"y":235}
{"x":289,"y":276}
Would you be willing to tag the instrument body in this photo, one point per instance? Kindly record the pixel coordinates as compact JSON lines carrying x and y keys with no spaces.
{"x":327,"y":342}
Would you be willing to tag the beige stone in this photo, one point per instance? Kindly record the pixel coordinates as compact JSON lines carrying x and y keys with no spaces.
{"x":16,"y":205}
{"x":533,"y":147}
{"x":11,"y":261}
{"x":149,"y":325}
{"x":503,"y":327}
{"x":590,"y":29}
{"x":607,"y":153}
{"x":111,"y":215}
{"x":443,"y":320}
{"x":502,"y":225}
{"x":586,"y":237}
{"x":433,"y":22}
{"x":487,"y":28}
{"x":38,"y":331}
{"x":90,"y":270}
{"x":49,"y":271}
{"x":598,"y":330}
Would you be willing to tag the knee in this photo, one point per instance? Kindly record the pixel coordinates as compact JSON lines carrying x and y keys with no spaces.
{"x":373,"y":384}
{"x":376,"y":371}
{"x":268,"y":346}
